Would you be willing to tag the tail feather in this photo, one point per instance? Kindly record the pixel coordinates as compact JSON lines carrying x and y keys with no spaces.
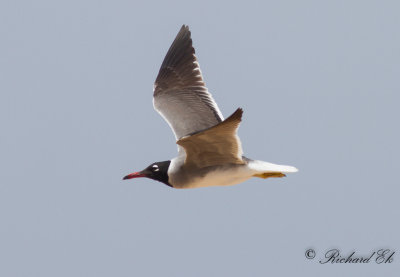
{"x":268,"y":170}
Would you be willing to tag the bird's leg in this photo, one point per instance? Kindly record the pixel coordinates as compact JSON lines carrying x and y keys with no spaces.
{"x":270,"y":175}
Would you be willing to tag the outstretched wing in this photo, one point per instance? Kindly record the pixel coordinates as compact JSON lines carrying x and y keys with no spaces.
{"x":217,"y":145}
{"x":180,"y":95}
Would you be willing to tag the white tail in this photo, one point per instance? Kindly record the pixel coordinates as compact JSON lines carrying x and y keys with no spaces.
{"x":265,"y":170}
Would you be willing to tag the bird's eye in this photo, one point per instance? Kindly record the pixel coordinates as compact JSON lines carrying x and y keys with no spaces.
{"x":155,"y":167}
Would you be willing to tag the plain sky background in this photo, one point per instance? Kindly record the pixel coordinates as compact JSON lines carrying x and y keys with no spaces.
{"x":319,"y":84}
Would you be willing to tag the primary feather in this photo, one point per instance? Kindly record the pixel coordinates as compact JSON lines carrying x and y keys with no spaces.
{"x":180,"y":94}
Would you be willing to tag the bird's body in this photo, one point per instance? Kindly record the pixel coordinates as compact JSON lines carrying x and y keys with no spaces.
{"x":209,"y":150}
{"x":218,"y":175}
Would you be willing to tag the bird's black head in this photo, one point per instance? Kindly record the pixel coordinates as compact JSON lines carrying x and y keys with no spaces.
{"x":156,"y":171}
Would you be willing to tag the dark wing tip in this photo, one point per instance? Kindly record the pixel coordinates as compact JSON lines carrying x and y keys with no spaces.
{"x":184,"y":28}
{"x":234,"y":119}
{"x":180,"y":51}
{"x":179,"y":64}
{"x":236,"y":116}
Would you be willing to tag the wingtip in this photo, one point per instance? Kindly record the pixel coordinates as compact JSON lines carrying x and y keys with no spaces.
{"x":184,"y":30}
{"x":237,"y":114}
{"x":235,"y":117}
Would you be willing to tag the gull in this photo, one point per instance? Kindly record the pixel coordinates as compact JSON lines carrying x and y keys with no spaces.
{"x":209,"y":149}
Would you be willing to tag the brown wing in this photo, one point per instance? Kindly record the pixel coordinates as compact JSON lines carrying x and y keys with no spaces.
{"x":217,"y":145}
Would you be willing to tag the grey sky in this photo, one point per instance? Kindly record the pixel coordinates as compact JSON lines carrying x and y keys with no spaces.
{"x":319,"y":85}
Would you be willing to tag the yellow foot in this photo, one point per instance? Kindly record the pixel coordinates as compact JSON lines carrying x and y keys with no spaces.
{"x":270,"y":175}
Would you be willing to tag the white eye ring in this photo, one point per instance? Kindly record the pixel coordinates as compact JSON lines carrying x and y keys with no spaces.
{"x":155,"y":167}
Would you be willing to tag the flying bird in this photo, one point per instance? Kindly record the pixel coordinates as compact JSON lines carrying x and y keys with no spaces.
{"x":209,"y":149}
